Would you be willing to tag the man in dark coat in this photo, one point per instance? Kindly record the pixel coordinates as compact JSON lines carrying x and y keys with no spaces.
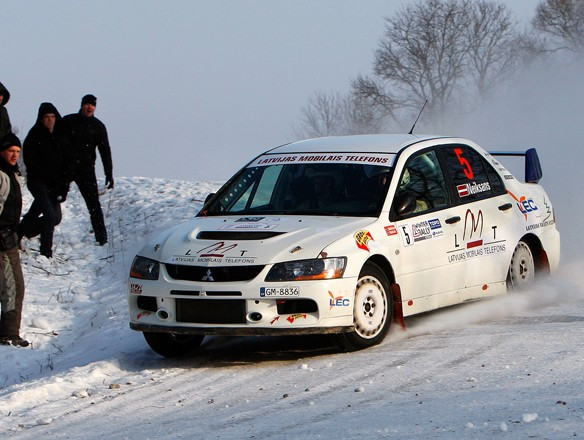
{"x":5,"y":126}
{"x":43,"y":157}
{"x":11,"y":279}
{"x":84,"y":133}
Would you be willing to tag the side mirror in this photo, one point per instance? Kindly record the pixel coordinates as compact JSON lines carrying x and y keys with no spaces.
{"x":405,"y":204}
{"x":209,"y":197}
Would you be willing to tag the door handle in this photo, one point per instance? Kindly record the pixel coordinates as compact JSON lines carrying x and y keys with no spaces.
{"x":505,"y":207}
{"x":452,"y":220}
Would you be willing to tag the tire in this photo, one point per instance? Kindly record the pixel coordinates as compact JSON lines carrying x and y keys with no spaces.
{"x":372,"y":310}
{"x":172,"y":345}
{"x":521,"y":275}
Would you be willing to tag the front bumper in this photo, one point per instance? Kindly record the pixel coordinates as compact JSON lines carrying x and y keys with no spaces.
{"x":241,"y":331}
{"x":242,"y":308}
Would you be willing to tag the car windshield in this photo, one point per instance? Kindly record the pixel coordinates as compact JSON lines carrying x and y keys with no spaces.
{"x":317,"y":188}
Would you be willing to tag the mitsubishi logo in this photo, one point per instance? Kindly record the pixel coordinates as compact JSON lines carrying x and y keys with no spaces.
{"x":208,"y":276}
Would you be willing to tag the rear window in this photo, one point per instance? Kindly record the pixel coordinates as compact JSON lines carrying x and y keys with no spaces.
{"x":473,"y":177}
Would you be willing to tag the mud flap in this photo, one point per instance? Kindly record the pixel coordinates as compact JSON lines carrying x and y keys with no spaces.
{"x":398,"y":311}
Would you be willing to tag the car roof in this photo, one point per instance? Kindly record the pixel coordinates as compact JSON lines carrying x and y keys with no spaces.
{"x":367,"y":143}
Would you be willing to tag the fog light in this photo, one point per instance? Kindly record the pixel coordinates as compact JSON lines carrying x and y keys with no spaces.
{"x":255,"y":316}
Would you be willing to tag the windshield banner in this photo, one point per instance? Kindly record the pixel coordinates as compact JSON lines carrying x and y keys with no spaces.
{"x":364,"y":158}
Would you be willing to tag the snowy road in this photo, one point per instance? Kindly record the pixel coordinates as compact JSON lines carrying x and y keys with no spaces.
{"x":507,"y":368}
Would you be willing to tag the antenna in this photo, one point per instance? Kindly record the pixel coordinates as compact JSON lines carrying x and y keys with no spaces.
{"x":419,"y":114}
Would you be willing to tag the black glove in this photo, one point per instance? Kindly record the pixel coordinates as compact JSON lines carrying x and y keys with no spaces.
{"x":109,"y":182}
{"x":62,"y":192}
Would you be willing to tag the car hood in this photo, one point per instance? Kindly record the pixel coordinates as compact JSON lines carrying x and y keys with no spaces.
{"x":216,"y":241}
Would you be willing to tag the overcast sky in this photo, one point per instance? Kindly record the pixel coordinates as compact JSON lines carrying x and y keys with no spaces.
{"x":188,"y":89}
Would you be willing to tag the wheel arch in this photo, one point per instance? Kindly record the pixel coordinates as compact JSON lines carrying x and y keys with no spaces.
{"x":384,"y":265}
{"x":540,"y":258}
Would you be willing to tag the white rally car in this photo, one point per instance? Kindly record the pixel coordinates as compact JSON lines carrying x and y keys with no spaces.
{"x":344,"y":235}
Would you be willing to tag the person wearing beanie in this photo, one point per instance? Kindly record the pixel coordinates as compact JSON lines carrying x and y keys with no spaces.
{"x":5,"y":126}
{"x":43,"y":158}
{"x":11,"y":278}
{"x":84,"y":133}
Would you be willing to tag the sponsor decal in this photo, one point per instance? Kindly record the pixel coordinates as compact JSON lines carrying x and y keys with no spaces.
{"x":136,"y":289}
{"x":525,"y":204}
{"x":467,"y":189}
{"x":214,"y":253}
{"x":474,"y":244}
{"x":508,"y":177}
{"x":390,"y":230}
{"x":254,"y":226}
{"x":338,"y":301}
{"x":421,"y":231}
{"x":279,"y":291}
{"x":371,"y":159}
{"x":249,"y":219}
{"x":539,"y":225}
{"x":436,"y":227}
{"x":472,"y":227}
{"x":142,"y":315}
{"x":486,"y":249}
{"x":362,"y":239}
{"x":215,"y":250}
{"x":295,"y":316}
{"x":274,"y":320}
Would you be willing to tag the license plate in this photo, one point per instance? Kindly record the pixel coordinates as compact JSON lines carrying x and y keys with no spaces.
{"x":279,"y":291}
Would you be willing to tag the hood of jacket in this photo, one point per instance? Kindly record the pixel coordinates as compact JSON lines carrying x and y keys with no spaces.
{"x":4,"y":91}
{"x":47,"y":107}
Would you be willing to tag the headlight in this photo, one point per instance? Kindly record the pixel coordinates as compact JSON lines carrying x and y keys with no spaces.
{"x":145,"y":268}
{"x":317,"y":269}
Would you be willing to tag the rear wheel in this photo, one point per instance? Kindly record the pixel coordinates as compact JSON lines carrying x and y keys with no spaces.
{"x":372,"y":310}
{"x":521,"y":274}
{"x":173,"y":345}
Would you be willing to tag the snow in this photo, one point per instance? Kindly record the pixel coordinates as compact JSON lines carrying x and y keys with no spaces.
{"x":505,"y":368}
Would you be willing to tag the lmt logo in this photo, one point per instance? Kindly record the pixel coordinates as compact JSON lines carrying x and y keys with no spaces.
{"x":472,"y":227}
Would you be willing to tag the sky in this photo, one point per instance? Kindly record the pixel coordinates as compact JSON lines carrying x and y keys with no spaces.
{"x":506,"y":368}
{"x":190,"y":89}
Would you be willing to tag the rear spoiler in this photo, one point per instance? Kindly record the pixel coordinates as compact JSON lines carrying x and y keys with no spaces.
{"x":533,"y":170}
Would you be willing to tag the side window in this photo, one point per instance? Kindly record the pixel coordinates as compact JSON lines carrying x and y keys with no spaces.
{"x":422,"y":178}
{"x":473,"y":178}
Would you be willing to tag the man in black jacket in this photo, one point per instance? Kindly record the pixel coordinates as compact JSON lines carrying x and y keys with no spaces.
{"x":5,"y":126}
{"x":43,"y":157}
{"x":84,"y":133}
{"x":11,"y":279}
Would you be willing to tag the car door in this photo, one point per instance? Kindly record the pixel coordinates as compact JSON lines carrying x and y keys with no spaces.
{"x":486,"y":217}
{"x":427,"y":223}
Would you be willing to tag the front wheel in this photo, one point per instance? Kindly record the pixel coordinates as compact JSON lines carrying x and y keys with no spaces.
{"x":372,"y":310}
{"x":172,"y":345}
{"x":521,"y":274}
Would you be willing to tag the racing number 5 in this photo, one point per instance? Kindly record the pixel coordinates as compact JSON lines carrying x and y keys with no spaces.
{"x":468,"y":172}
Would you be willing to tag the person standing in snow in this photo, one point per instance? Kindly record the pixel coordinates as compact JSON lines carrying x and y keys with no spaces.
{"x":43,"y":157}
{"x":83,"y":134}
{"x":5,"y":126}
{"x":11,"y":278}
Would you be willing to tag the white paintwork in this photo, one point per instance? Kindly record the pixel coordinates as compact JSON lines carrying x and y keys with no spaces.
{"x":447,"y":269}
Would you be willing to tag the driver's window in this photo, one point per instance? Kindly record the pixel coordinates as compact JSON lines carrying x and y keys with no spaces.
{"x":423,"y":179}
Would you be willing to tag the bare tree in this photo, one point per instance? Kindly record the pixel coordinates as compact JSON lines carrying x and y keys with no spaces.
{"x":433,"y":49}
{"x":330,"y":114}
{"x":494,"y":45}
{"x":563,"y":20}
